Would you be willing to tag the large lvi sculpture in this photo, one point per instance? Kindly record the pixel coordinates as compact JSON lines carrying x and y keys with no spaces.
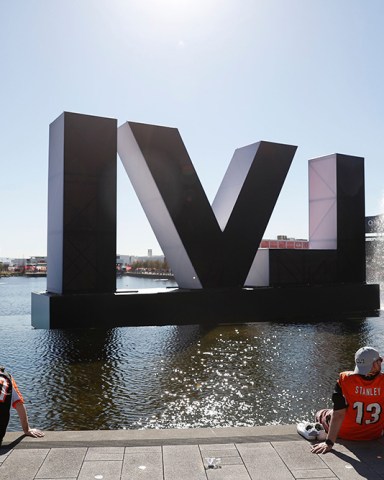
{"x":213,"y":251}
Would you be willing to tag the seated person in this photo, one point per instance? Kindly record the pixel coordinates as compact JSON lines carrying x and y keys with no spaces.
{"x":11,"y":396}
{"x":358,"y":403}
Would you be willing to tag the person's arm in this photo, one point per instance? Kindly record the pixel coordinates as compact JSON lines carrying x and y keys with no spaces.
{"x":22,"y":412}
{"x":334,"y":428}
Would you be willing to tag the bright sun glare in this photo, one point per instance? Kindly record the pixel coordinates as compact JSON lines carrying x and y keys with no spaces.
{"x":179,"y":9}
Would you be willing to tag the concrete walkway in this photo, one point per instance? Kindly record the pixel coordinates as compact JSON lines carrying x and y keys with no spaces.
{"x":249,"y":453}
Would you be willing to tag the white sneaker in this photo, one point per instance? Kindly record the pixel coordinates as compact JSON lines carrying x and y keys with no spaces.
{"x":311,"y":431}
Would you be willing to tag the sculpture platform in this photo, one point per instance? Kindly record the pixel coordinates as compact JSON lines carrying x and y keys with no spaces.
{"x":208,"y":306}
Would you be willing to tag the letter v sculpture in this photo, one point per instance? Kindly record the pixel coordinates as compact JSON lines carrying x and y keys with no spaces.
{"x":206,"y":247}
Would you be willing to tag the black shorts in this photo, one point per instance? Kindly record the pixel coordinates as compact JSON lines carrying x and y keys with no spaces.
{"x":4,"y":419}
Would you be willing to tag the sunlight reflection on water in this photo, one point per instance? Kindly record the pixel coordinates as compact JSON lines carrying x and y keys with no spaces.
{"x":177,"y":376}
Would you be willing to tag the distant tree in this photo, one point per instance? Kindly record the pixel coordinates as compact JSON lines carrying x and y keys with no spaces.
{"x":3,"y":267}
{"x":151,"y":265}
{"x":165,"y":265}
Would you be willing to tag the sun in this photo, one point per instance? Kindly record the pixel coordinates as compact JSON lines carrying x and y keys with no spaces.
{"x":179,"y":9}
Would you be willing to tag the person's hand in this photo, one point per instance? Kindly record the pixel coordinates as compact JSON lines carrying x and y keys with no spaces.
{"x":34,"y":432}
{"x":321,"y":448}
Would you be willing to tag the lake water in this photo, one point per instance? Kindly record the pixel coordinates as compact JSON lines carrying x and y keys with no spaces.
{"x":173,"y":376}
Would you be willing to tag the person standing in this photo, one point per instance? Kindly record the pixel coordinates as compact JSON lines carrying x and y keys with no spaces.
{"x":358,"y":403}
{"x":10,"y":396}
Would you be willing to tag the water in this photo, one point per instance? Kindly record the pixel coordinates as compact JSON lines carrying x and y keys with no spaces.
{"x":173,"y":376}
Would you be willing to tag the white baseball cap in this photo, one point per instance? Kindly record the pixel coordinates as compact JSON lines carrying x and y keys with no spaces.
{"x":364,"y":358}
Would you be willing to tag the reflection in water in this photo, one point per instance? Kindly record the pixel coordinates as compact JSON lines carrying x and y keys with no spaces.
{"x":78,"y":373}
{"x":161,"y":377}
{"x":179,"y":376}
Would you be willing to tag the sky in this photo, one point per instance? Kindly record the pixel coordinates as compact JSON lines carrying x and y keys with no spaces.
{"x":226,"y":73}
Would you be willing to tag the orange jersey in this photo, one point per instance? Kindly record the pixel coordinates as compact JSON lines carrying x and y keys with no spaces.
{"x":9,"y":395}
{"x":16,"y":395}
{"x":9,"y":388}
{"x":364,"y":419}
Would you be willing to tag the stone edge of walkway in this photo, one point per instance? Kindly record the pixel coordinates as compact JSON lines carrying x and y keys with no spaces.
{"x":148,"y":437}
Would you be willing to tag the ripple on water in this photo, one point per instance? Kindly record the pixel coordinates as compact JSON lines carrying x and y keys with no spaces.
{"x":189,"y":376}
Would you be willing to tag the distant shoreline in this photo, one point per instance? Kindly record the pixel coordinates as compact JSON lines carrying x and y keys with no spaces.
{"x":18,"y":274}
{"x":166,"y":276}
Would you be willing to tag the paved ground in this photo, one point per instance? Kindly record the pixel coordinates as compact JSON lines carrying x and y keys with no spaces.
{"x":265,"y":453}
